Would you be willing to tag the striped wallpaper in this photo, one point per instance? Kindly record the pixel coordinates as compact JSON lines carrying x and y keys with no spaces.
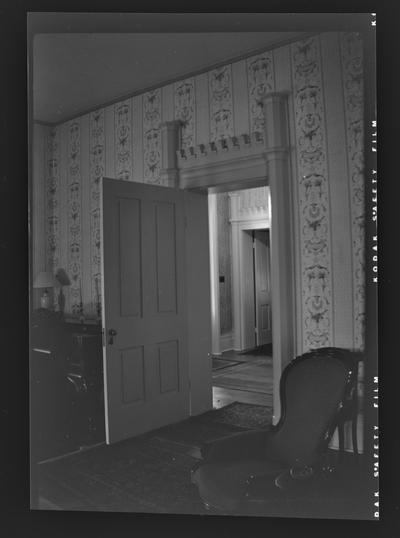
{"x":123,"y":141}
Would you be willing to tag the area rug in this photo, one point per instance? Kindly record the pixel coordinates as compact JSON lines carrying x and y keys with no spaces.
{"x":150,"y":473}
{"x":220,"y":363}
{"x":209,"y":426}
{"x":242,"y":415}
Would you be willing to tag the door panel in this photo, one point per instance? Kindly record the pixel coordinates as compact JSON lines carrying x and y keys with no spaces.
{"x":262,"y":287}
{"x":146,"y":363}
{"x":130,"y":255}
{"x":248,"y":321}
{"x":133,"y":374}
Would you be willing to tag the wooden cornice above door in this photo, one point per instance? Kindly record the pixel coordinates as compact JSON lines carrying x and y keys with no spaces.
{"x":226,"y":162}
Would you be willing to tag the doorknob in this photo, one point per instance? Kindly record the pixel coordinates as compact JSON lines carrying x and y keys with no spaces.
{"x":111,"y":334}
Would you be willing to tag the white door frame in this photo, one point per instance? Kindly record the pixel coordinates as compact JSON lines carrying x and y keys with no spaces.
{"x":238,"y":284}
{"x":214,"y":275}
{"x":258,"y":160}
{"x":254,"y":220}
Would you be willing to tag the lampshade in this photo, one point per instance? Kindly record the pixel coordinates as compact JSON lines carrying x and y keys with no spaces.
{"x":62,"y":277}
{"x":45,"y":279}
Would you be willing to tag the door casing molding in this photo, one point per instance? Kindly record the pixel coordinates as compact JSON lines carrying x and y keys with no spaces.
{"x":239,"y":225}
{"x":248,"y":161}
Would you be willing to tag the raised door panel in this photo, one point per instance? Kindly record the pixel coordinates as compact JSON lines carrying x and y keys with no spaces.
{"x":130,"y":258}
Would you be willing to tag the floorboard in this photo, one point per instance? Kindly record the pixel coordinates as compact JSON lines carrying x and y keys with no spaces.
{"x":249,"y":381}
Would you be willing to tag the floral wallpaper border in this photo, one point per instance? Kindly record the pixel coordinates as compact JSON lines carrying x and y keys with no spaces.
{"x":185,"y":110}
{"x":313,"y":194}
{"x":52,"y":199}
{"x":97,"y":171}
{"x":260,"y":80}
{"x":123,"y":140}
{"x":74,"y":216}
{"x":352,"y":68}
{"x":221,"y":103}
{"x":152,"y":136}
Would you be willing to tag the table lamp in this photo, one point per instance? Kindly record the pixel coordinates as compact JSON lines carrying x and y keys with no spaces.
{"x":46,"y":280}
{"x":63,"y":280}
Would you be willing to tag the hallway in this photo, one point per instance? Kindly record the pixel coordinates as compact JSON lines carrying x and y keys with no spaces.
{"x":245,"y":378}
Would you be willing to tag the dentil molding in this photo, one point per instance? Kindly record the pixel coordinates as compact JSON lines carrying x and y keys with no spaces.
{"x":228,"y":160}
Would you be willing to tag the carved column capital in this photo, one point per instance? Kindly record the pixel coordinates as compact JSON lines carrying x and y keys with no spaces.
{"x":173,"y":125}
{"x":269,"y":97}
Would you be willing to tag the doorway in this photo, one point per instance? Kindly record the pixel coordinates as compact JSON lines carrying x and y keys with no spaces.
{"x":243,"y":162}
{"x":242,"y":368}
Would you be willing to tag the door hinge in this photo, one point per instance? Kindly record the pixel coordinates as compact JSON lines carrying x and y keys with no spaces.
{"x":103,"y":343}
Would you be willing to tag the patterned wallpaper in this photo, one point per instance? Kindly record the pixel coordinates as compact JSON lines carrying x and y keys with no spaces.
{"x":52,"y":212}
{"x":313,"y":194}
{"x":185,"y":110}
{"x":352,"y":66}
{"x":97,"y":171}
{"x":74,"y":195}
{"x":221,"y":104}
{"x":260,"y":77}
{"x":123,"y":140}
{"x":151,"y":135}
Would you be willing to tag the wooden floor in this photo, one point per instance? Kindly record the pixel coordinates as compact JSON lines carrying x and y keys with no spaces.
{"x":250,"y":381}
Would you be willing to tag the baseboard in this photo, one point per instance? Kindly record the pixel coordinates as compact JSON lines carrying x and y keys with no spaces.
{"x":226,"y":342}
{"x":45,"y":504}
{"x":77,"y":451}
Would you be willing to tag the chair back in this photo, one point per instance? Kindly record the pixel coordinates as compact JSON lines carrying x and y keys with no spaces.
{"x":312,"y":390}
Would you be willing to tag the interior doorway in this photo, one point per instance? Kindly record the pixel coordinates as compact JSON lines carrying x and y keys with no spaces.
{"x":242,"y":366}
{"x":256,"y":289}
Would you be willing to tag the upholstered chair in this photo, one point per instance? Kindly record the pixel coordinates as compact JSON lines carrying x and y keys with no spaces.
{"x":246,"y":471}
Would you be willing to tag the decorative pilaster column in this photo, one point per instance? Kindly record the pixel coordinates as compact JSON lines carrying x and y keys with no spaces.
{"x":169,"y":173}
{"x":282,"y":258}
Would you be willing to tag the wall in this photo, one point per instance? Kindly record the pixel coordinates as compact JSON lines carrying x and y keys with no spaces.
{"x":324,"y":77}
{"x":38,"y":202}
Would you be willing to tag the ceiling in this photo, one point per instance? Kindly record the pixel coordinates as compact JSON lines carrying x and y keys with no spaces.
{"x":84,"y":60}
{"x":73,"y":73}
{"x":79,"y":61}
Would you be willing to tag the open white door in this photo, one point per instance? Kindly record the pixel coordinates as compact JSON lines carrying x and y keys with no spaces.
{"x":262,"y":287}
{"x":145,"y":348}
